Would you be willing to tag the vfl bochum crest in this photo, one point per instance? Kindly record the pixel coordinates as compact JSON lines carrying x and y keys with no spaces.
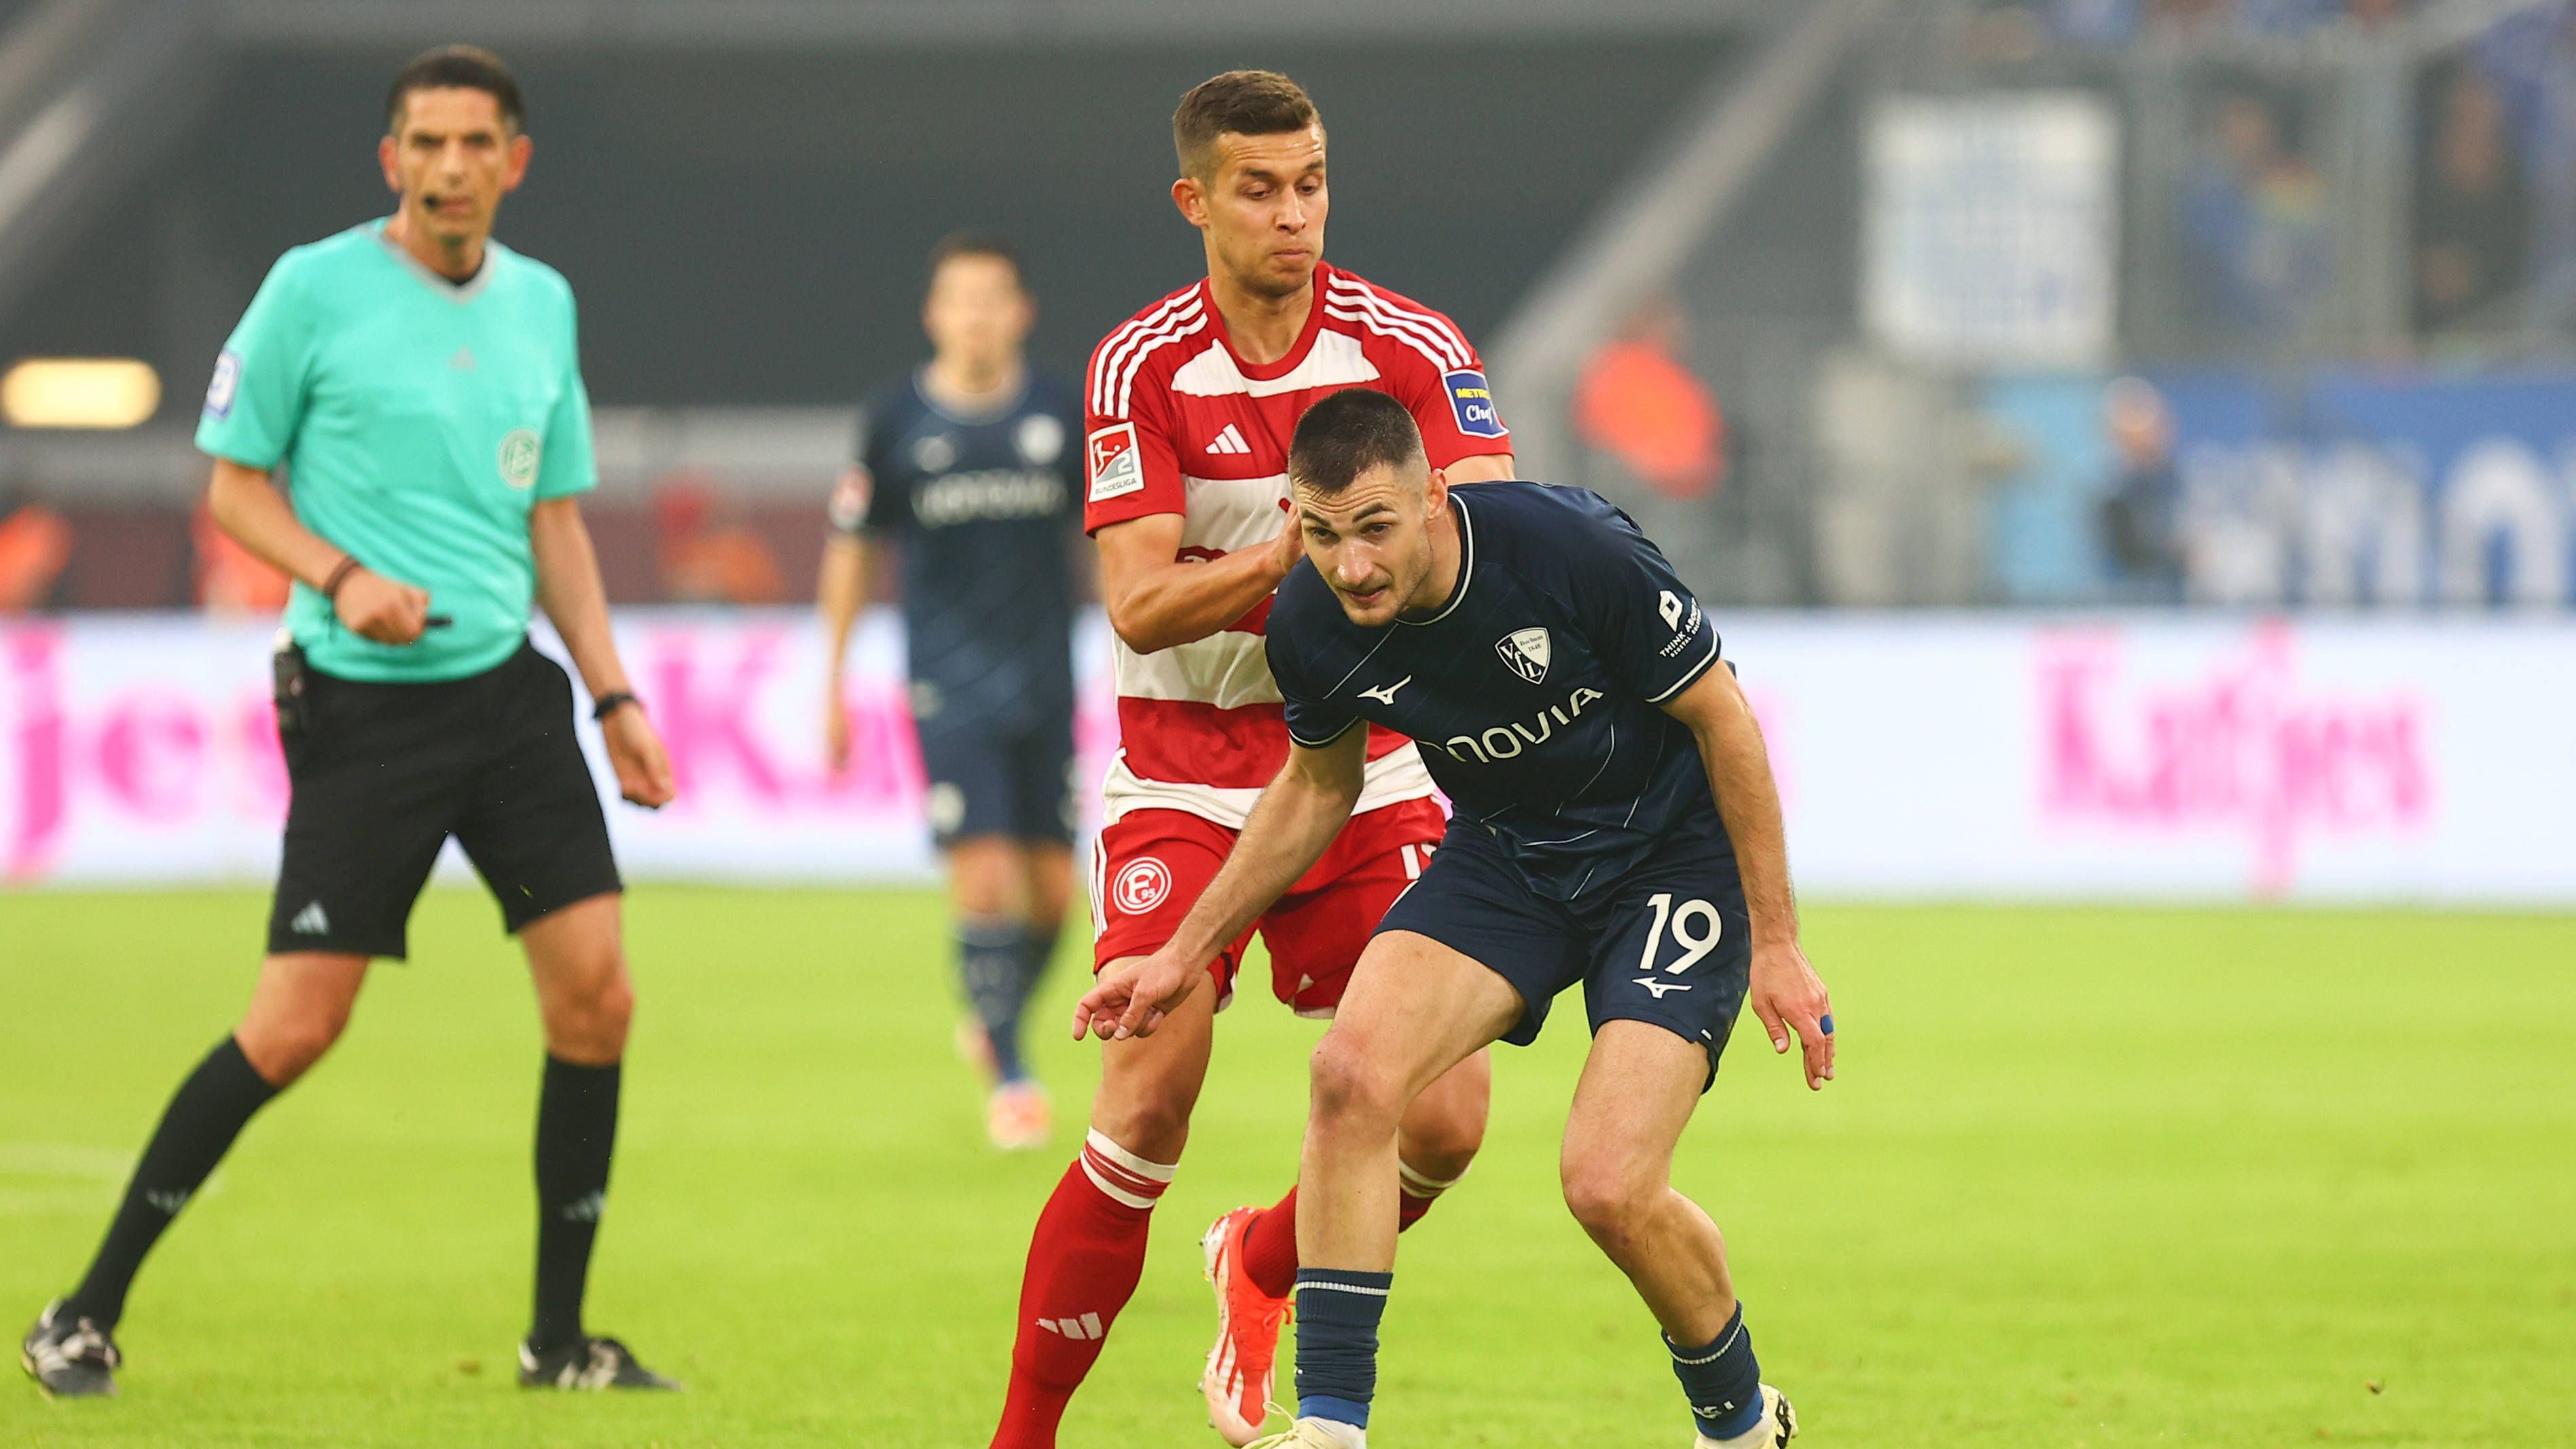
{"x":1525,"y":650}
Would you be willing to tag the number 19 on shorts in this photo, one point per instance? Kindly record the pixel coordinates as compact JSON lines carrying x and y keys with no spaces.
{"x":1695,"y":926}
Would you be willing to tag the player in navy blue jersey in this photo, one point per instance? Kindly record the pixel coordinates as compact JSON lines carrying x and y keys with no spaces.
{"x":1616,"y":826}
{"x":968,"y":468}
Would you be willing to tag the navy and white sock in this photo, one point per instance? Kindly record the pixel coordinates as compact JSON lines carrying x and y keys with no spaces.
{"x":1337,"y":1318}
{"x":1723,"y":1382}
{"x":992,"y":957}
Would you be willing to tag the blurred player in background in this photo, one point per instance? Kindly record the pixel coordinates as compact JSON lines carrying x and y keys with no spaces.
{"x":968,"y":466}
{"x":1188,"y":412}
{"x":1617,"y":826}
{"x":421,"y":384}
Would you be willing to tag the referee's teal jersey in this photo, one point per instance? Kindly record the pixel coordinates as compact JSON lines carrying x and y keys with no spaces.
{"x":417,"y":420}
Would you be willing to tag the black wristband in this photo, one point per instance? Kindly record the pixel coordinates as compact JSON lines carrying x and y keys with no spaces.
{"x":611,"y":702}
{"x":339,"y":575}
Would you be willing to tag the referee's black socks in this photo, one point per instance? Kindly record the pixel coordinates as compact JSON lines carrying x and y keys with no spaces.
{"x":576,"y":1134}
{"x":204,"y":1116}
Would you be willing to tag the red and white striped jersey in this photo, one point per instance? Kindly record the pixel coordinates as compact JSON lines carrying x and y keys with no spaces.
{"x":1175,"y":422}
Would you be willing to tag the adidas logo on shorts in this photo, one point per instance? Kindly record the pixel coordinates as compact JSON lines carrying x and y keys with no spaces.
{"x":310,"y":921}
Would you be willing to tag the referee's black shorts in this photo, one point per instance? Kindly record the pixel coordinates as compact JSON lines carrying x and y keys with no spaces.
{"x":384,"y":773}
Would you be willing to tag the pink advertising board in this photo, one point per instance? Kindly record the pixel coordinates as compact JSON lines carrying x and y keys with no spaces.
{"x":2111,"y":757}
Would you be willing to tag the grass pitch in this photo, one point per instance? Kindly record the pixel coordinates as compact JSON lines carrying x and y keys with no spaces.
{"x":2089,"y":1178}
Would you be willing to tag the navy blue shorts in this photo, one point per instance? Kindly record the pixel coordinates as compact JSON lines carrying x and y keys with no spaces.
{"x":1667,"y":944}
{"x":1017,"y":784}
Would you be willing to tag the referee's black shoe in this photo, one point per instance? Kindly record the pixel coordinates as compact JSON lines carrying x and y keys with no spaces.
{"x":587,"y":1363}
{"x":70,"y":1358}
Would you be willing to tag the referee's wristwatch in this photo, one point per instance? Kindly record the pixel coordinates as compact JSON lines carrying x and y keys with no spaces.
{"x":611,"y":702}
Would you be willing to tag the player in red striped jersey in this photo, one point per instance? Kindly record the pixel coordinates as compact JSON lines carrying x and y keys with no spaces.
{"x":1190,"y":407}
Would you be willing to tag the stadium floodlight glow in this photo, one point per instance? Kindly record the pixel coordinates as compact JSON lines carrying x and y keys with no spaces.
{"x":79,"y":392}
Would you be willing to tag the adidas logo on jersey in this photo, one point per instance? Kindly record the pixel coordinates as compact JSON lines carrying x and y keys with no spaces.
{"x":463,"y":361}
{"x":1228,"y":441}
{"x":310,"y":921}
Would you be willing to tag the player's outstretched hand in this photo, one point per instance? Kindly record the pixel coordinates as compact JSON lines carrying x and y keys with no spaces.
{"x":1133,"y":996}
{"x":1789,"y":997}
{"x":836,"y":729}
{"x":379,"y":608}
{"x":635,"y":753}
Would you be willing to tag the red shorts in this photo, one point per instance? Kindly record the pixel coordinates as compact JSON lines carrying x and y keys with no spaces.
{"x":1148,"y":869}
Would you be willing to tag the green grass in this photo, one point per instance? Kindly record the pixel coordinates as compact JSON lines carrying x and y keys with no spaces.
{"x":2098,"y":1178}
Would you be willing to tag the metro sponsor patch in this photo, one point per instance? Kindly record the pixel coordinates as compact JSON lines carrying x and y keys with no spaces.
{"x":1114,"y":466}
{"x":1472,"y":399}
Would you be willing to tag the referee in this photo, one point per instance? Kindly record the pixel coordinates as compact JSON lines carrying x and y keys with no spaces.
{"x":420,"y":384}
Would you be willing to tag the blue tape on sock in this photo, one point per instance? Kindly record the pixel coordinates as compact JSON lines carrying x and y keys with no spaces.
{"x":1340,"y":1411}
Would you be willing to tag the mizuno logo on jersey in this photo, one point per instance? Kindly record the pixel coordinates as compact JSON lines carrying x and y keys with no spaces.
{"x":1228,"y":440}
{"x":1504,"y":742}
{"x":1659,"y":988}
{"x":1385,"y":693}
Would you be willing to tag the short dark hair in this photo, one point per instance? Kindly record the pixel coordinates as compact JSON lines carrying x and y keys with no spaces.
{"x":1241,"y":102}
{"x":1347,"y":434}
{"x":976,"y":244}
{"x":457,"y":67}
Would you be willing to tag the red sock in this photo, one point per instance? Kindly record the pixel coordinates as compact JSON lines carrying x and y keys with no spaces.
{"x":1270,"y":1240}
{"x":1084,"y":1260}
{"x":1270,"y":1248}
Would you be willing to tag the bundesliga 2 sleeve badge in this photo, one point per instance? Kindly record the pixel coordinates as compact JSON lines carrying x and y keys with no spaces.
{"x":1115,"y":467}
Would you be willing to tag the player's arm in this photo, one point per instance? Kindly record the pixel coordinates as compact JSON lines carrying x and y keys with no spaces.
{"x":849,"y":560}
{"x":1157,"y":599}
{"x":1290,"y":827}
{"x":569,"y":590}
{"x":254,"y":408}
{"x":246,"y":505}
{"x":1786,"y":993}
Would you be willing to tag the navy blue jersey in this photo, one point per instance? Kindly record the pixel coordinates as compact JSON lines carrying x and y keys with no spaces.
{"x":985,"y":509}
{"x":1533,"y":693}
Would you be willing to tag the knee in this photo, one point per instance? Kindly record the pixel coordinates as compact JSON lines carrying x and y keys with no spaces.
{"x":589,"y":1024}
{"x":1441,"y":1144}
{"x":1446,"y":1125}
{"x":1612,"y":1202}
{"x":284,"y":1047}
{"x":1350,"y":1090}
{"x":1149,"y":1120}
